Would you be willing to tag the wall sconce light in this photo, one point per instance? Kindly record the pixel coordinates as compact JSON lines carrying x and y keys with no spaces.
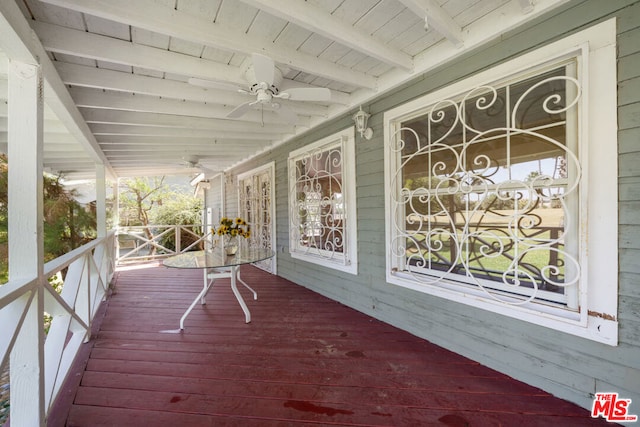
{"x":361,"y":119}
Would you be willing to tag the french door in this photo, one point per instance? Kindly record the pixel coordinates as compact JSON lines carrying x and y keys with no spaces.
{"x":257,"y":206}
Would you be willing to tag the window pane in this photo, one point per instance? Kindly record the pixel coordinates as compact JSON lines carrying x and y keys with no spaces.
{"x":319,"y":200}
{"x":484,"y":187}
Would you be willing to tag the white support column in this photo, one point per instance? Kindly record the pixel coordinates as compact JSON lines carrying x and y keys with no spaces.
{"x":116,"y":216}
{"x":101,"y":200}
{"x":223,"y":187}
{"x":26,"y":261}
{"x":117,"y":201}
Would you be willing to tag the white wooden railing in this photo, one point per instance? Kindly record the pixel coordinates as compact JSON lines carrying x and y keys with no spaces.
{"x":39,"y":360}
{"x":144,"y":243}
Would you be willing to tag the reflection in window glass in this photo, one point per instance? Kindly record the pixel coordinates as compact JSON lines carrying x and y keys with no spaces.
{"x":318,"y":187}
{"x":322,"y":202}
{"x":487,"y":186}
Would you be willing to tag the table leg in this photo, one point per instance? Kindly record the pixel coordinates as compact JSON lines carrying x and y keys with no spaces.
{"x":204,"y":286}
{"x":205,"y":290}
{"x":255,"y":294}
{"x":234,"y":288}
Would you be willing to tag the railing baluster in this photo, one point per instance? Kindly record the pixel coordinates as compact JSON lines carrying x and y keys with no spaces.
{"x":40,"y":365}
{"x":179,"y":233}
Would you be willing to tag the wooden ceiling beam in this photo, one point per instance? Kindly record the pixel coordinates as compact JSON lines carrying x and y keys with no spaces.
{"x":437,"y":19}
{"x":101,"y":48}
{"x":101,"y":78}
{"x":151,"y":171}
{"x":318,"y":20}
{"x":85,"y":97}
{"x":133,"y":118}
{"x":171,"y":161}
{"x":168,"y":156}
{"x":210,"y":142}
{"x":150,"y":16}
{"x":101,"y":130}
{"x":91,"y":98}
{"x":146,"y":154}
{"x":18,"y":42}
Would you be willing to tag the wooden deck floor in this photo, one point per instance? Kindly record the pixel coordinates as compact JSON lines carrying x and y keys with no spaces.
{"x":303,"y":360}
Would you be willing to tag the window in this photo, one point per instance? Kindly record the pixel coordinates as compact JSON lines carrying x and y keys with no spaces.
{"x":492,"y":194}
{"x":322,"y":202}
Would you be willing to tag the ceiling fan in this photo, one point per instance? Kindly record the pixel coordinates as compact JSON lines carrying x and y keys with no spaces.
{"x":190,"y":162}
{"x":193,"y":162}
{"x":264,"y":83}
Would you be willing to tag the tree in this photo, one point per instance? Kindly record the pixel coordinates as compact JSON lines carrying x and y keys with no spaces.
{"x":146,"y":201}
{"x":532,"y":175}
{"x":138,"y":196}
{"x":180,"y":209}
{"x":67,"y":223}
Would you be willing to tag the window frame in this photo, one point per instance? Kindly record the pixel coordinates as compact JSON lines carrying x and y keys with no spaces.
{"x":348,"y":262}
{"x":596,"y":318}
{"x":485,"y":187}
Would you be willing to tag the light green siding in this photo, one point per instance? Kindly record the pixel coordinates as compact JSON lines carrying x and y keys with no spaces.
{"x":565,"y":365}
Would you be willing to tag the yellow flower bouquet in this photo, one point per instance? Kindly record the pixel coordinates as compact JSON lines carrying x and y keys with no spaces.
{"x":229,"y":230}
{"x":234,"y":228}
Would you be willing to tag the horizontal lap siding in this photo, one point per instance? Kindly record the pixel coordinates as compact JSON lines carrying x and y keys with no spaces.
{"x":629,"y":208}
{"x":214,"y":198}
{"x":567,"y":366}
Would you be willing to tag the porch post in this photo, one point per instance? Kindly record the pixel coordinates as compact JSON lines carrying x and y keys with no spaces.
{"x":116,"y":216}
{"x":223,"y":188}
{"x":101,"y":200}
{"x":26,"y":248}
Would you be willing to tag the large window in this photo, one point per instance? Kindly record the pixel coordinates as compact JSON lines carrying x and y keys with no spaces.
{"x":322,"y":202}
{"x":492,"y":198}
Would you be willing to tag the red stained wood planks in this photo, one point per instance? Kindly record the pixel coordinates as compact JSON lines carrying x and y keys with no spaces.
{"x":304,"y":360}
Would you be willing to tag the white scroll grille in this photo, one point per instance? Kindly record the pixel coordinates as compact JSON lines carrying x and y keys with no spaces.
{"x":317,"y":205}
{"x":485,"y":191}
{"x":256,"y":206}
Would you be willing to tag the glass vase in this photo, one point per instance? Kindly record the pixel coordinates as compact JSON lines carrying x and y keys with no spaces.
{"x":230,"y":245}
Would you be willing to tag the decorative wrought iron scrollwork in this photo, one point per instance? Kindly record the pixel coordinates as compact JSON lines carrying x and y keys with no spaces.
{"x":317,"y":205}
{"x":457,"y":211}
{"x":255,"y":206}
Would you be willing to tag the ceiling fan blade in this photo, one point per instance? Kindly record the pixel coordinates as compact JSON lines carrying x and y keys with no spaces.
{"x":212,"y":84}
{"x":286,"y":113}
{"x":309,"y":94}
{"x":240,"y":110}
{"x":264,"y":69}
{"x":190,"y":161}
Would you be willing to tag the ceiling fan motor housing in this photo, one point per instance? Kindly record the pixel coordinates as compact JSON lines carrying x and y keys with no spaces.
{"x":264,"y":95}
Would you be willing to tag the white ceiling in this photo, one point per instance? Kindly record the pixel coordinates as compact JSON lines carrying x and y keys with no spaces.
{"x":127,"y":67}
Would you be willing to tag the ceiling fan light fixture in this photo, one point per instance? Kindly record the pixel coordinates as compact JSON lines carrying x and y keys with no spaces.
{"x":361,"y":118}
{"x":264,"y":79}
